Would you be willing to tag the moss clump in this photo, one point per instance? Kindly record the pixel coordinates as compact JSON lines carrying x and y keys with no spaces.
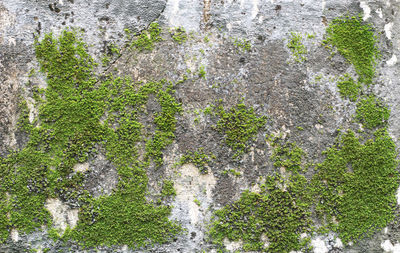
{"x":355,"y":40}
{"x":242,"y":44}
{"x":277,"y":214}
{"x":168,"y":189}
{"x":200,"y":159}
{"x":78,"y":112}
{"x":371,"y":112}
{"x":239,"y":125}
{"x":178,"y":35}
{"x":297,"y":47}
{"x":146,"y":40}
{"x":286,"y":154}
{"x":281,"y":212}
{"x":348,"y":88}
{"x":202,"y":72}
{"x":124,"y":218}
{"x":356,"y":185}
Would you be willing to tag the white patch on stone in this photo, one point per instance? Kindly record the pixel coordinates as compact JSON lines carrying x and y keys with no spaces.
{"x":323,"y":4}
{"x":366,"y":9}
{"x":73,"y":217}
{"x":81,"y":167}
{"x":379,"y":12}
{"x":229,"y":26}
{"x":388,"y":30}
{"x":31,"y":108}
{"x":398,"y":196}
{"x":265,"y":240}
{"x":255,"y":188}
{"x":233,"y":246}
{"x":396,"y":248}
{"x":183,"y":13}
{"x":385,"y":230}
{"x":14,"y":235}
{"x":11,"y":41}
{"x":62,"y":215}
{"x":319,"y":126}
{"x":255,"y":9}
{"x":387,"y":246}
{"x":338,"y":243}
{"x":6,"y":19}
{"x":319,"y":245}
{"x":392,"y":61}
{"x":190,"y":186}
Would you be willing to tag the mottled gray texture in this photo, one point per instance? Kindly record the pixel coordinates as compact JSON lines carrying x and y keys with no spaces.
{"x":286,"y":93}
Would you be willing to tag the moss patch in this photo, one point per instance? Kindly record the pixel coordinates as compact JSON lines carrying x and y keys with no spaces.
{"x":199,"y":158}
{"x":272,"y":220}
{"x":356,"y":185}
{"x":78,"y":112}
{"x":297,"y":47}
{"x":371,"y":112}
{"x":348,"y":88}
{"x":239,"y":125}
{"x":355,"y":40}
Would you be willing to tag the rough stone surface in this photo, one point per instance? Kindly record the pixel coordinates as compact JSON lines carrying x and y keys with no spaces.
{"x":287,"y":93}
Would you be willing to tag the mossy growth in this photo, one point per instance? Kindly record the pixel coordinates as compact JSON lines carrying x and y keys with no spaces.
{"x":147,"y":38}
{"x":297,"y":48}
{"x":199,"y":158}
{"x":286,"y":154}
{"x":278,"y":215}
{"x":355,"y":187}
{"x":348,"y":88}
{"x":178,"y":34}
{"x":242,"y":44}
{"x":77,"y":113}
{"x":202,"y":72}
{"x":239,"y":125}
{"x":168,"y":189}
{"x":372,"y":112}
{"x":273,"y":219}
{"x":356,"y":41}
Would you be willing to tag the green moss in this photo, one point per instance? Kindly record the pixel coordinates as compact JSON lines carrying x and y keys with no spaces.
{"x":279,"y":215}
{"x":125,"y":218}
{"x":202,"y":72}
{"x":178,"y":35}
{"x":197,"y":202}
{"x":168,"y":189}
{"x":79,"y":112}
{"x":199,"y":158}
{"x":355,"y":40}
{"x":232,"y":172}
{"x":239,"y":125}
{"x":146,"y":40}
{"x":297,"y":47}
{"x":281,"y":212}
{"x":286,"y":154}
{"x":371,"y":112}
{"x":356,"y":185}
{"x":348,"y":88}
{"x":242,"y":44}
